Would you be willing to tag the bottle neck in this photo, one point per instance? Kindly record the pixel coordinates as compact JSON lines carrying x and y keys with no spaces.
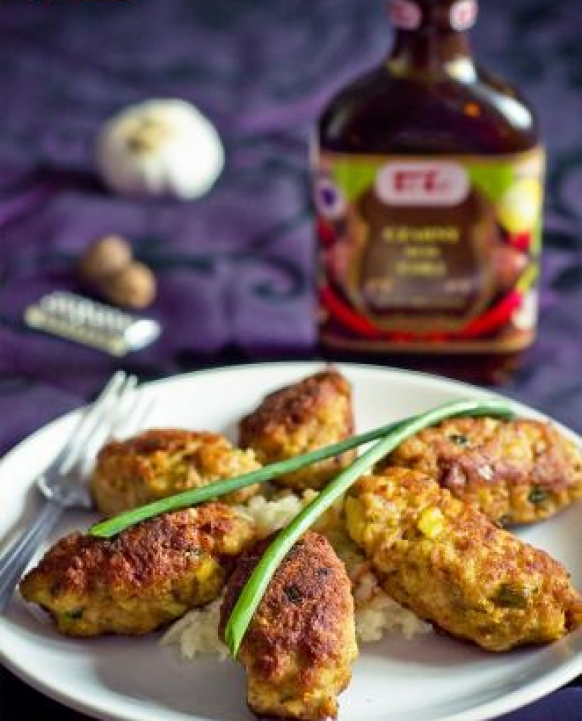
{"x":431,"y":38}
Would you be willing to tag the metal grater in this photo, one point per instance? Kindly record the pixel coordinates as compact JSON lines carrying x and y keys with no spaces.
{"x":90,"y":323}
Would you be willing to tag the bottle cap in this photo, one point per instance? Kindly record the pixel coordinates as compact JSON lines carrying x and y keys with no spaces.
{"x":459,"y":15}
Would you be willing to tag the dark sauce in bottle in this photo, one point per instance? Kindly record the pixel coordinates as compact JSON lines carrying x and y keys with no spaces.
{"x":428,"y":188}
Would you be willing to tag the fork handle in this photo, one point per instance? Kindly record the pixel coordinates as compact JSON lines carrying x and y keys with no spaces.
{"x":15,"y":559}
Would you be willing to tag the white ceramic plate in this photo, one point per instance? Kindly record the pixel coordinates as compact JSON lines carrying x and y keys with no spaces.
{"x":429,"y":678}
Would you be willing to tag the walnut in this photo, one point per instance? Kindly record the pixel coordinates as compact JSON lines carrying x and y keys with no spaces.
{"x":132,"y":287}
{"x":105,"y":257}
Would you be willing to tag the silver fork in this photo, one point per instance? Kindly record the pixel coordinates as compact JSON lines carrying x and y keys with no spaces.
{"x":62,"y":482}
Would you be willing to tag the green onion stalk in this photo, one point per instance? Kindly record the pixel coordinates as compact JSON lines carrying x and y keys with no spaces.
{"x":186,"y":499}
{"x":257,"y":584}
{"x":391,"y":436}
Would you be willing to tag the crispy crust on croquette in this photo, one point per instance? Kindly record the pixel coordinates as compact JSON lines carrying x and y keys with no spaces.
{"x":301,"y":642}
{"x":146,"y":576}
{"x":161,"y":462}
{"x":515,"y":471}
{"x":302,"y":417}
{"x":451,"y":565}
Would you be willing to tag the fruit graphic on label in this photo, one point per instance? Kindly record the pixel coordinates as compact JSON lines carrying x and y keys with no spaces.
{"x":329,"y":199}
{"x":509,"y":264}
{"x":521,"y":241}
{"x":519,"y":208}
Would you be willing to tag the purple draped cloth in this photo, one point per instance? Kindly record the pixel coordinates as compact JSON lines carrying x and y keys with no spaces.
{"x":235,"y":268}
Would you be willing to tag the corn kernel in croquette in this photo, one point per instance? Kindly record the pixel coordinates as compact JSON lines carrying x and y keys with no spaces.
{"x":451,"y":565}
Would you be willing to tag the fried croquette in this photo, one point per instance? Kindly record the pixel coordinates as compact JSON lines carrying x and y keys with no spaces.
{"x":302,"y":417}
{"x":301,"y":643}
{"x":143,"y":578}
{"x":451,"y":565}
{"x":514,"y":471}
{"x":161,"y":462}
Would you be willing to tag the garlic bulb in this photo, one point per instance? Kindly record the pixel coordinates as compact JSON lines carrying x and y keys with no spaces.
{"x":160,"y":148}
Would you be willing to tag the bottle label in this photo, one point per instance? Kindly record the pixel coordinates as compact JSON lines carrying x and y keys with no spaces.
{"x":430,"y":249}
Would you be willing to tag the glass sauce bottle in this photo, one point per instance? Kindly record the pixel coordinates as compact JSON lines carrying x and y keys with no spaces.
{"x":428,"y":189}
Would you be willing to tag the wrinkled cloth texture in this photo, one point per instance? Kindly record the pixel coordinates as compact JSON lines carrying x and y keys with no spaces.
{"x":236,"y":267}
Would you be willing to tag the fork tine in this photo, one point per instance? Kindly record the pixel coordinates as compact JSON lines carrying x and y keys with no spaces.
{"x":124,"y":407}
{"x":94,"y":420}
{"x":102,"y":431}
{"x":130,"y":416}
{"x":111,"y":386}
{"x":142,"y":410}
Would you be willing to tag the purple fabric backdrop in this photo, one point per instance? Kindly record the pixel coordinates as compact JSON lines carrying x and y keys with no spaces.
{"x":235,"y":268}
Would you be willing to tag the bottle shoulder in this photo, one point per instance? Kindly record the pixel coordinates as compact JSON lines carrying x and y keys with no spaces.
{"x":383,"y":113}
